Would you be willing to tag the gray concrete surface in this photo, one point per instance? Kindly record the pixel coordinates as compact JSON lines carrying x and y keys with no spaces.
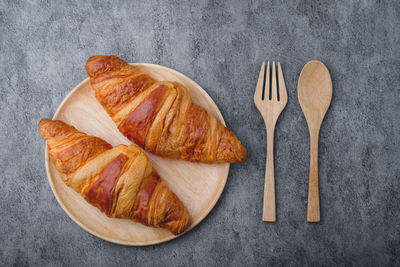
{"x":220,"y":44}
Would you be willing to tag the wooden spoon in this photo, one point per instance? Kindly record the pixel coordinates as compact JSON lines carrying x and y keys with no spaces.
{"x":314,"y":90}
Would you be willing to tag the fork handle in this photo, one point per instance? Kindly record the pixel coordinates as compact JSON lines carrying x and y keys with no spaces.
{"x":269,"y":206}
{"x":313,"y":211}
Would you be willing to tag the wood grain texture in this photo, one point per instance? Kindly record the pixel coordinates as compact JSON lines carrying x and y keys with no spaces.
{"x":315,"y":95}
{"x":267,"y":103}
{"x":198,"y":185}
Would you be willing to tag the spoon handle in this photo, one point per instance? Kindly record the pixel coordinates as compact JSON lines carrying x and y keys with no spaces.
{"x":313,"y":213}
{"x":269,"y":206}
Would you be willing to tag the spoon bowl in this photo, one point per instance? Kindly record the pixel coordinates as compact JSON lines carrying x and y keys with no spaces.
{"x":314,"y":92}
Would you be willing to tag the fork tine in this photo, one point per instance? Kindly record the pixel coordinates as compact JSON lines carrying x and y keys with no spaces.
{"x":274,"y":89}
{"x":282,"y":86}
{"x":259,"y":86}
{"x":267,"y":83}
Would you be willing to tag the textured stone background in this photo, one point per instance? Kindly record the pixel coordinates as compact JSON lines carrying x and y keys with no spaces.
{"x":220,"y":44}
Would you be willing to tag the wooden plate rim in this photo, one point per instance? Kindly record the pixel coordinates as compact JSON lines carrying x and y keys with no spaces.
{"x":168,"y":238}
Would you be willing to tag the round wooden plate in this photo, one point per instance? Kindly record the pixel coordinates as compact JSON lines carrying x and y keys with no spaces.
{"x":198,"y":185}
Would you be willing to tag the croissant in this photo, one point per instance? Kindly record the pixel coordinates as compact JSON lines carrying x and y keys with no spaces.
{"x":119,"y":181}
{"x":160,"y":117}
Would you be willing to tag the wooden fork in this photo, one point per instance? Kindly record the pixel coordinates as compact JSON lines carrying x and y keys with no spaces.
{"x":270,"y":101}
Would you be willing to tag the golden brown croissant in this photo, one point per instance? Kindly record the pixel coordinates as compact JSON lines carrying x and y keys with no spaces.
{"x":119,"y":181}
{"x":160,"y":116}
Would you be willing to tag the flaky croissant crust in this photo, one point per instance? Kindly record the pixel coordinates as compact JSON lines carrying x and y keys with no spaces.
{"x":160,"y":116}
{"x":119,"y":181}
